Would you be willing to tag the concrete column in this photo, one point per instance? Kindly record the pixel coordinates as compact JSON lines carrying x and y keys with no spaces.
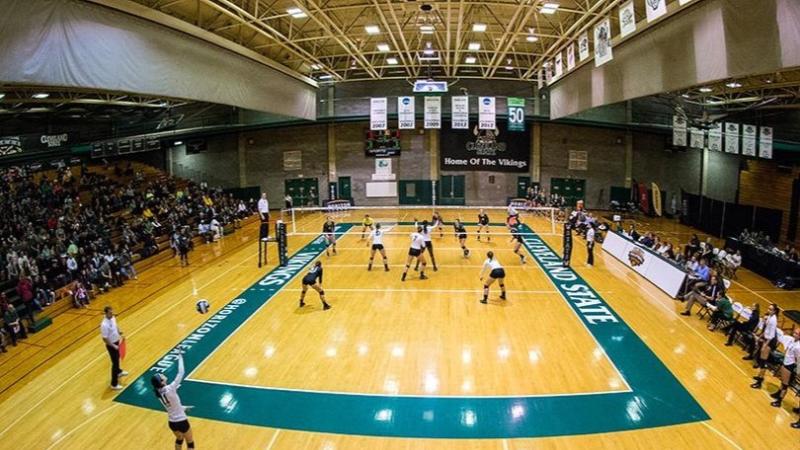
{"x":704,"y":172}
{"x":536,"y":153}
{"x":433,"y":149}
{"x":242,"y":154}
{"x":628,"y":159}
{"x":170,"y":170}
{"x":331,"y":153}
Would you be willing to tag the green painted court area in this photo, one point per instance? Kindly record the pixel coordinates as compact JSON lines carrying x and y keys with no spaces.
{"x":655,"y":398}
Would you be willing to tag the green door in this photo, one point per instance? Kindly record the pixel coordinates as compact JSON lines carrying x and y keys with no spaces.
{"x":344,"y":189}
{"x":415,"y":192}
{"x":522,"y":186}
{"x":304,"y":191}
{"x":571,"y":189}
{"x":451,"y":190}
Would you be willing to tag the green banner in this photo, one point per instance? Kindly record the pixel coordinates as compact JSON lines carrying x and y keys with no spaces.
{"x":516,"y":114}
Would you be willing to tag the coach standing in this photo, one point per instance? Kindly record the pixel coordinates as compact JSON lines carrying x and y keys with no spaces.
{"x":112,"y":337}
{"x":590,"y":244}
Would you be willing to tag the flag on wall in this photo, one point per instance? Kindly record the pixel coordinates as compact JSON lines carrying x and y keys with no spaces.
{"x":749,"y":140}
{"x":765,"y":147}
{"x":559,"y":68}
{"x":433,"y":112}
{"x":627,"y":19}
{"x":697,"y":138}
{"x":655,"y":9}
{"x":570,"y":57}
{"x":678,"y":131}
{"x":731,"y":137}
{"x":459,"y":112}
{"x":602,"y":43}
{"x":516,"y":114}
{"x":715,"y":137}
{"x":486,"y":113}
{"x":583,"y":46}
{"x":377,"y":113}
{"x":405,"y":113}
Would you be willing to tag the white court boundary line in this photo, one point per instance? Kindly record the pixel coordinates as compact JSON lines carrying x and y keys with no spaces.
{"x":90,"y":363}
{"x":82,"y":424}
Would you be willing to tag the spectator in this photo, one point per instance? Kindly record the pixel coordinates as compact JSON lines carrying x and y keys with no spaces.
{"x":13,"y":325}
{"x":745,"y":328}
{"x":722,"y":312}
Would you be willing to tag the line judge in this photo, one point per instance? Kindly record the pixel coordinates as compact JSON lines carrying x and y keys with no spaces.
{"x":112,"y":337}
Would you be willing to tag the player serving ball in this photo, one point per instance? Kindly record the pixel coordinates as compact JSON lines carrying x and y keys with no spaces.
{"x":483,"y":225}
{"x":167,"y":394}
{"x":313,"y":279}
{"x":496,"y":272}
{"x":329,"y":231}
{"x":416,"y":251}
{"x":376,"y":237}
{"x":461,"y":235}
{"x":367,"y":223}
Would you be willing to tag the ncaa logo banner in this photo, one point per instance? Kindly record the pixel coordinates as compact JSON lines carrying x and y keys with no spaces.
{"x":486,"y":113}
{"x":377,"y":114}
{"x":405,"y":113}
{"x":459,"y":112}
{"x":765,"y":143}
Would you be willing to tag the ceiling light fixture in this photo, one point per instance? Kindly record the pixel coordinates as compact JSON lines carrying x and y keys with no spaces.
{"x":474,"y":46}
{"x":733,"y":84}
{"x":705,"y":90}
{"x":316,"y":67}
{"x":428,"y":49}
{"x":549,"y":8}
{"x":178,"y":143}
{"x":470,"y":59}
{"x":685,"y":95}
{"x":2,"y":95}
{"x":478,"y":27}
{"x":372,"y":29}
{"x":41,"y":95}
{"x":531,"y":38}
{"x":325,"y":76}
{"x":296,"y":12}
{"x":392,"y":61}
{"x":382,"y":47}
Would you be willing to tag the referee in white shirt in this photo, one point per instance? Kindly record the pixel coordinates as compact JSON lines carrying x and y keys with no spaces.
{"x":590,"y":245}
{"x":112,"y":337}
{"x":263,"y":208}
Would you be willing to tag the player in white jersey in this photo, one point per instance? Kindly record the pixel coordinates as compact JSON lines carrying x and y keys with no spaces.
{"x":167,"y":394}
{"x":426,"y":234}
{"x":416,"y":250}
{"x":788,"y":370}
{"x":376,"y":237}
{"x":496,"y":272}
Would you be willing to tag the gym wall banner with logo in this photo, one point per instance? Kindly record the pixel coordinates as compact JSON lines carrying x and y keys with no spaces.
{"x":14,"y":145}
{"x":486,"y":150}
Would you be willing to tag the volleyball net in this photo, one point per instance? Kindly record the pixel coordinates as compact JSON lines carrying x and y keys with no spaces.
{"x":401,"y":219}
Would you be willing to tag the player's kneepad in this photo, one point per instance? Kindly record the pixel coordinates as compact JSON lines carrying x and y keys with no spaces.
{"x":178,"y":441}
{"x":190,"y":445}
{"x":486,"y":286}
{"x":322,"y":292}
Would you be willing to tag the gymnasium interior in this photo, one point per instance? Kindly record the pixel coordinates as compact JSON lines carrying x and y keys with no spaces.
{"x":399,"y":224}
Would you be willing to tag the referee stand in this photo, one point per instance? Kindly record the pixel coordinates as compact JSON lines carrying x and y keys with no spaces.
{"x":264,"y":240}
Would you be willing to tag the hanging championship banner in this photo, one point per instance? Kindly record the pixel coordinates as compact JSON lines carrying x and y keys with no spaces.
{"x":765,"y":147}
{"x":697,"y":138}
{"x":486,"y":113}
{"x":405,"y":113}
{"x":627,"y":19}
{"x":433,"y":112}
{"x":377,"y":113}
{"x":678,"y":131}
{"x":655,"y":9}
{"x":459,"y":112}
{"x":583,"y":46}
{"x":548,"y":72}
{"x":731,"y":137}
{"x":602,"y":43}
{"x":715,"y":137}
{"x":559,"y":66}
{"x":749,"y":140}
{"x":485,"y":150}
{"x":570,"y":57}
{"x":516,"y":114}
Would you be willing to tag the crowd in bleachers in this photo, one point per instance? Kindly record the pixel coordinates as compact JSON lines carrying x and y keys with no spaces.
{"x":86,"y":230}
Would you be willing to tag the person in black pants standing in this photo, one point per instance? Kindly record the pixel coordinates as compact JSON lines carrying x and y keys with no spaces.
{"x":112,"y":337}
{"x":590,"y":245}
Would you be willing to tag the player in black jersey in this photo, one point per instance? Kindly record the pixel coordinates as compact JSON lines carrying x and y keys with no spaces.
{"x":516,"y":237}
{"x":436,"y":222}
{"x":329,"y":231}
{"x":313,"y":279}
{"x":483,"y":224}
{"x":461,"y":235}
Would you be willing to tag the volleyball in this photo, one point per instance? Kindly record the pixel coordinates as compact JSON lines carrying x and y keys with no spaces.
{"x":202,"y":306}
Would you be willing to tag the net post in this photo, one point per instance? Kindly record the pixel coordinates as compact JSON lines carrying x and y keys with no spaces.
{"x":283,"y":252}
{"x":294,"y":222}
{"x":553,"y":220}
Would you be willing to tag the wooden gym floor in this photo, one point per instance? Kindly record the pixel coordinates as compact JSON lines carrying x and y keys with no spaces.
{"x":395,"y":359}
